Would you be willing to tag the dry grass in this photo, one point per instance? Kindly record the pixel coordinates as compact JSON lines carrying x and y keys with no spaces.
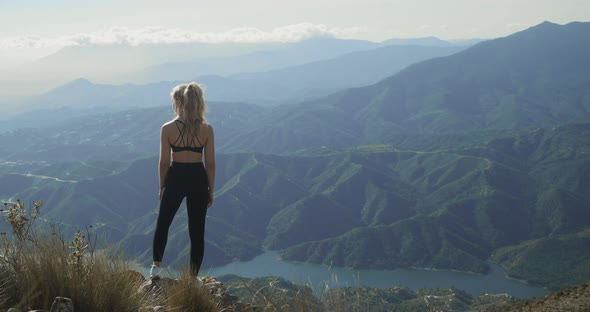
{"x":188,"y":296}
{"x":37,"y":267}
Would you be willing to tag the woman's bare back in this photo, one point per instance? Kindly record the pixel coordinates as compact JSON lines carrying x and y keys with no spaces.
{"x":173,"y":131}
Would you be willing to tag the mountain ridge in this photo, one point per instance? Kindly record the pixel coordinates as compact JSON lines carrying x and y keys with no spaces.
{"x":491,"y":85}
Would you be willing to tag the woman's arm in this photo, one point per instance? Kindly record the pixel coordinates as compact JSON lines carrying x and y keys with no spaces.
{"x":164,"y":163}
{"x":210,"y":164}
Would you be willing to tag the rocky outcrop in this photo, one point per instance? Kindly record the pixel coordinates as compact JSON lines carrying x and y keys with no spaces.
{"x":575,"y":298}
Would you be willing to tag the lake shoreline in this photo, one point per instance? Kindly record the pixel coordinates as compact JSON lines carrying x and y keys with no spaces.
{"x":271,"y":264}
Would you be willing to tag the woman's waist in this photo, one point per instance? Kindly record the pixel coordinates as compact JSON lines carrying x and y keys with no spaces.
{"x":187,"y":168}
{"x":187,"y":173}
{"x":187,"y":157}
{"x":181,"y":164}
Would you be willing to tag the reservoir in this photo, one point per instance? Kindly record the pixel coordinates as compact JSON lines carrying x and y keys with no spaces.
{"x":318,"y":276}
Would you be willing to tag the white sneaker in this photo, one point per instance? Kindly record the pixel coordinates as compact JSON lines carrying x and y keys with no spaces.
{"x":155,"y":271}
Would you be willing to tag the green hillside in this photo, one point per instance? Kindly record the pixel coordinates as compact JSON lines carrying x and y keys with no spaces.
{"x":416,"y":242}
{"x":555,"y":262}
{"x":373,"y":206}
{"x":526,"y":186}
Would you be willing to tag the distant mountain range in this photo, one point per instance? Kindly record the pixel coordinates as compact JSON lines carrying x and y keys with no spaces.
{"x":431,"y":42}
{"x":120,"y":63}
{"x":110,"y":62}
{"x":453,"y":161}
{"x":533,"y":78}
{"x":287,"y":86}
{"x":492,"y":85}
{"x":284,"y":85}
{"x":355,"y":69}
{"x":290,"y":54}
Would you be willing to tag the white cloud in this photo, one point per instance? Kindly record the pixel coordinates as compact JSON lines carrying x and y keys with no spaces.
{"x":161,"y":35}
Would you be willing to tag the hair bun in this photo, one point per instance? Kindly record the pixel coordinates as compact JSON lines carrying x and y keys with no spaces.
{"x":193,"y":86}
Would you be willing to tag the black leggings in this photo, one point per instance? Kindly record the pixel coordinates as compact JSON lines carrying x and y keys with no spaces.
{"x":184,"y":180}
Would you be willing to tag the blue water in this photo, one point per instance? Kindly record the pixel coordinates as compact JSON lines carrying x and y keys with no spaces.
{"x":318,"y":276}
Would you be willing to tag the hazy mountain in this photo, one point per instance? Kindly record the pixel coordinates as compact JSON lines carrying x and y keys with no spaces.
{"x":533,"y":78}
{"x":425,"y":41}
{"x":432,"y":42}
{"x":123,"y":63}
{"x":109,"y":63}
{"x":351,"y":70}
{"x":289,"y":85}
{"x":312,"y":80}
{"x":81,"y":97}
{"x":307,"y":51}
{"x":83,"y":94}
{"x":495,"y":84}
{"x":288,"y":55}
{"x":119,"y":63}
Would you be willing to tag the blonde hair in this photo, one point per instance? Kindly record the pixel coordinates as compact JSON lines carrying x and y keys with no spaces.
{"x":177,"y":97}
{"x":189,"y":104}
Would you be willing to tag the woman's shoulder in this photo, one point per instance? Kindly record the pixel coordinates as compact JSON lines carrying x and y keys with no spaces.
{"x":207,"y":126}
{"x":168,"y":125}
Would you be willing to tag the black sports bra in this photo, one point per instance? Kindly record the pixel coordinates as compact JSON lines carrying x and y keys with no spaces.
{"x":186,"y":147}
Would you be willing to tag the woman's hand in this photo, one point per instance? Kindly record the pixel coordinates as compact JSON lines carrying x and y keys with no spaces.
{"x":210,"y":201}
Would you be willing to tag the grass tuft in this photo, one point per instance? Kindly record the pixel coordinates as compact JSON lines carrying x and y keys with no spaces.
{"x":187,"y":295}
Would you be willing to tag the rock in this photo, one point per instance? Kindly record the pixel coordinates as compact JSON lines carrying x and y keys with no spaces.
{"x":573,"y":298}
{"x":62,"y":304}
{"x":227,"y":301}
{"x":156,"y":285}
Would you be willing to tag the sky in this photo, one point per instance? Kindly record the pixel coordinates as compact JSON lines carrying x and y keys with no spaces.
{"x":32,"y":28}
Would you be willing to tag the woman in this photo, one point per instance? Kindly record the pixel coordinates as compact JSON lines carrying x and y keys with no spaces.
{"x":185,"y":140}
